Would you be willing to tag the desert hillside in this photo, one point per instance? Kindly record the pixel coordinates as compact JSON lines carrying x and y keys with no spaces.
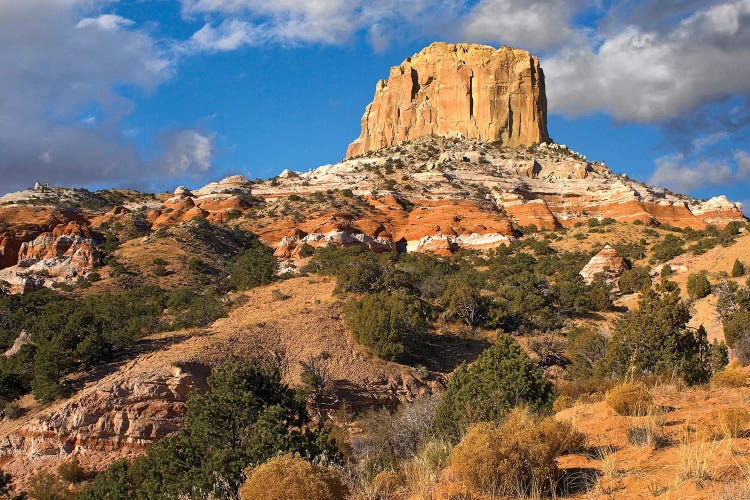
{"x":460,"y":308}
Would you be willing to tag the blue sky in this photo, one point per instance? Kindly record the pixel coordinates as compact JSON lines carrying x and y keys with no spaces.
{"x":153,"y":94}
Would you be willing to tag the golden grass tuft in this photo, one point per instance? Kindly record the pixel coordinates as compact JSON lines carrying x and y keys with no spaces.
{"x":696,"y":460}
{"x":562,"y":403}
{"x":386,"y":484}
{"x":516,"y":457}
{"x":732,"y":376}
{"x":290,"y":477}
{"x":724,"y":423}
{"x":629,"y":399}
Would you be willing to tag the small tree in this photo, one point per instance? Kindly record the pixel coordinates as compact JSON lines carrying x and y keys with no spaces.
{"x":386,"y":323}
{"x":502,"y":378}
{"x":736,"y":326}
{"x":698,"y":285}
{"x":655,"y":340}
{"x":255,"y":266}
{"x":635,"y":280}
{"x":463,"y":299}
{"x":586,"y":349}
{"x":738,"y":269}
{"x":246,"y":416}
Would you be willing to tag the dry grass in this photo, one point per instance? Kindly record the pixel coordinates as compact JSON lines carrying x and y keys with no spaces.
{"x":562,"y":403}
{"x":386,"y":484}
{"x":732,"y":376}
{"x":629,"y":399}
{"x":724,"y":423}
{"x":291,"y":478}
{"x":420,"y":472}
{"x":516,"y":457}
{"x":696,"y":459}
{"x":649,"y":431}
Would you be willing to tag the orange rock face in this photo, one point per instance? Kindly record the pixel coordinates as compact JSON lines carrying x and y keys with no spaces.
{"x":461,"y":90}
{"x":607,"y":262}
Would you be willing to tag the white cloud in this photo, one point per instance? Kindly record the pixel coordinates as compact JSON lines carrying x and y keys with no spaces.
{"x":58,"y":61}
{"x":231,"y":34}
{"x":743,"y":164}
{"x":186,"y":152}
{"x":105,"y":22}
{"x":237,"y":23}
{"x":653,"y":76}
{"x":675,"y":173}
{"x":532,"y":25}
{"x":281,"y":21}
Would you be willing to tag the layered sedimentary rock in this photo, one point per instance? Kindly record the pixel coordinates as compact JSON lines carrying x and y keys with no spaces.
{"x":462,"y":90}
{"x":117,"y":414}
{"x":607,"y":263}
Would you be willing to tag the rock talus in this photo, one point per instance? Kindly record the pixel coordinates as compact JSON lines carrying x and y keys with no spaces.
{"x":458,"y":90}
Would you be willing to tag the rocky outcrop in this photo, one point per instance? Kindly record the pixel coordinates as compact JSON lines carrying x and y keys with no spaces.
{"x":23,"y":339}
{"x":120,"y":414}
{"x":462,"y":90}
{"x":606,"y":262}
{"x":56,"y":251}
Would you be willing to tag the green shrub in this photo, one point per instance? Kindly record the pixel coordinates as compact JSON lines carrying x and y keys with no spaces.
{"x":738,"y":269}
{"x":719,"y":355}
{"x":160,"y":270}
{"x":191,"y":308}
{"x":668,"y":248}
{"x":655,"y":340}
{"x":635,"y":280}
{"x":255,"y":266}
{"x":246,"y":416}
{"x":306,"y":250}
{"x":366,"y":273}
{"x":71,"y":471}
{"x":666,"y":271}
{"x":330,"y":259}
{"x":388,"y":324}
{"x":736,"y":326}
{"x":698,"y":285}
{"x":502,"y":378}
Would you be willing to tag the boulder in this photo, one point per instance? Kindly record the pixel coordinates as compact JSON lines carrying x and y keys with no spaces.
{"x":607,"y":262}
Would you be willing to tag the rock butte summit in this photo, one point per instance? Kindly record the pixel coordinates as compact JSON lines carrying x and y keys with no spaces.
{"x":458,"y":90}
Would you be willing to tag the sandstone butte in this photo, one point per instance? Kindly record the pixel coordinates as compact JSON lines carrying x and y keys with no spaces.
{"x":458,"y":90}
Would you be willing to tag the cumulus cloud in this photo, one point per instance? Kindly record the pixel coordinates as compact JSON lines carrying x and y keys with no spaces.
{"x":186,"y":152}
{"x":676,"y":173}
{"x":233,"y":24}
{"x":743,"y":164}
{"x":536,"y":24}
{"x":60,"y":113}
{"x":647,"y":76}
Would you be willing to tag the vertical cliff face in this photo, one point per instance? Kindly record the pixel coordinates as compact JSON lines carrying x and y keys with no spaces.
{"x":458,"y":90}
